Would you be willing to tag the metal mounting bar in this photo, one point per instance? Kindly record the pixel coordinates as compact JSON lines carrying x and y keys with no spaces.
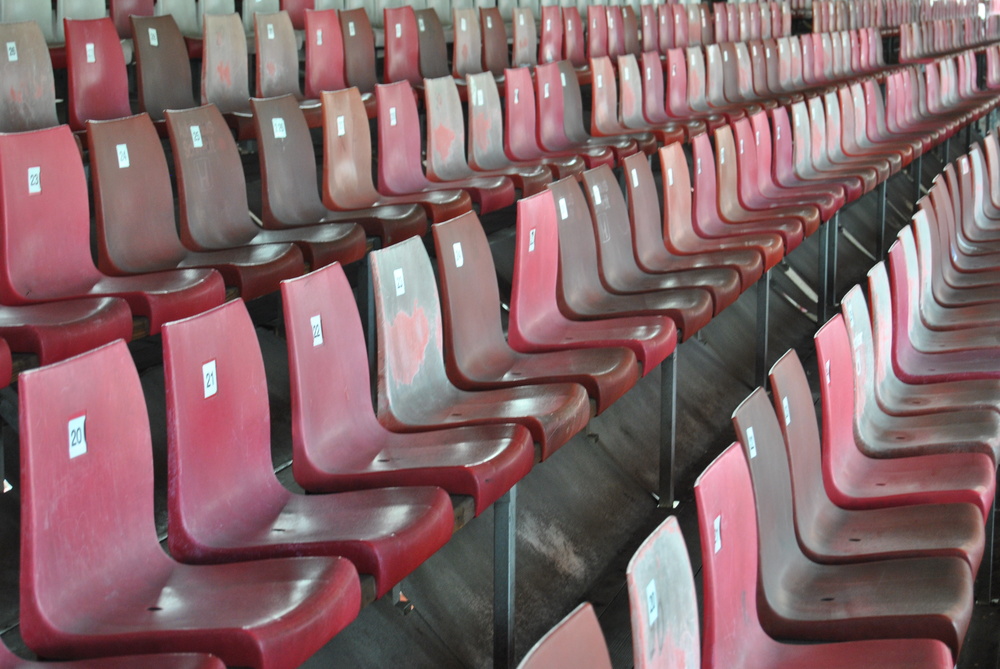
{"x":880,"y":236}
{"x":504,"y":544}
{"x":763,"y":328}
{"x":668,"y":429}
{"x":823,"y":287}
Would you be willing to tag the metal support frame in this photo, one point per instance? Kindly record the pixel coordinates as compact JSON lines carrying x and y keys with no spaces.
{"x":504,"y":544}
{"x":763,"y":328}
{"x":883,"y":189}
{"x":833,"y":255}
{"x":918,"y":177}
{"x":668,"y":429}
{"x":823,"y":296}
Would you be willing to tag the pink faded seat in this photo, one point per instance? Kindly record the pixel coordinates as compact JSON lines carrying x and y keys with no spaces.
{"x":131,"y":183}
{"x":338,"y":443}
{"x":537,"y":324}
{"x":633,"y":101}
{"x":730,"y":549}
{"x":95,"y":69}
{"x":225,"y":502}
{"x":212,"y":195}
{"x":45,"y":222}
{"x":277,"y":57}
{"x":605,"y":116}
{"x":477,"y":356}
{"x":30,"y":99}
{"x":225,"y":81}
{"x":906,"y":598}
{"x":414,"y":391}
{"x":86,"y":465}
{"x":576,"y":641}
{"x":159,"y":661}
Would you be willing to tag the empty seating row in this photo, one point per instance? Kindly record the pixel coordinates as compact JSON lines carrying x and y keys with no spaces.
{"x":919,"y":42}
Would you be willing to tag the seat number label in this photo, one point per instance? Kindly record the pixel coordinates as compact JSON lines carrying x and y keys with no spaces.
{"x":784,"y":410}
{"x":122,"y":151}
{"x":77,"y":436}
{"x":459,"y":258}
{"x":196,"y":136}
{"x":399,"y":30}
{"x":209,"y":378}
{"x":154,"y":38}
{"x":392,"y":116}
{"x":12,"y":52}
{"x":34,"y":180}
{"x":420,"y":24}
{"x":270,"y":31}
{"x":350,"y":28}
{"x":651,"y":602}
{"x":91,"y":54}
{"x":340,"y":126}
{"x":717,"y":525}
{"x":751,"y":443}
{"x":316,"y":325}
{"x":319,"y":37}
{"x":278,"y":126}
{"x":635,"y":179}
{"x":563,"y":212}
{"x":397,"y":276}
{"x":531,"y":240}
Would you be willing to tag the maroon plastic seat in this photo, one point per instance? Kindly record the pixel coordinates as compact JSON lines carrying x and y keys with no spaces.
{"x":604,"y":117}
{"x":617,"y":266}
{"x":213,"y":198}
{"x":445,"y":156}
{"x":121,"y":10}
{"x":647,"y":223}
{"x":220,"y":460}
{"x":911,"y":598}
{"x":325,"y":57}
{"x":680,"y":232}
{"x":733,"y":635}
{"x":402,"y":46}
{"x":400,"y":159}
{"x":347,"y":165}
{"x":654,"y":98}
{"x":414,"y":392}
{"x":277,"y":57}
{"x":855,"y":480}
{"x":432,"y":44}
{"x":95,"y":70}
{"x":978,"y":225}
{"x":359,"y":55}
{"x":981,"y":259}
{"x":159,"y":661}
{"x":46,"y":223}
{"x":289,"y":194}
{"x":337,"y":441}
{"x":162,"y":70}
{"x":582,"y":295}
{"x":550,"y":41}
{"x":131,"y":184}
{"x":576,"y":641}
{"x":297,"y":11}
{"x":495,"y":56}
{"x":826,"y":532}
{"x":632,"y":103}
{"x":843,"y":151}
{"x":678,"y":100}
{"x":30,"y":99}
{"x":477,"y":355}
{"x":536,"y":323}
{"x":270,"y":613}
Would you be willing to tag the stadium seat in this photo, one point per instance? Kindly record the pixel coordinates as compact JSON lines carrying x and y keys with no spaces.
{"x":576,"y":641}
{"x":95,"y":69}
{"x":158,"y":661}
{"x":277,"y":71}
{"x":162,"y":68}
{"x":26,"y":75}
{"x":224,"y":71}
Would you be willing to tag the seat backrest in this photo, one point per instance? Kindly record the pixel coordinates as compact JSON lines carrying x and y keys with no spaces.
{"x":665,"y":27}
{"x":206,"y":7}
{"x":45,"y":217}
{"x":402,"y":46}
{"x":133,"y":201}
{"x":630,"y":101}
{"x":520,"y":116}
{"x":328,"y":366}
{"x":432,"y":45}
{"x":400,"y":155}
{"x":550,"y":44}
{"x":485,"y":145}
{"x":297,"y":11}
{"x":411,"y":371}
{"x":525,"y":38}
{"x":650,"y":33}
{"x":251,"y":8}
{"x":77,"y":10}
{"x":536,"y":262}
{"x":663,"y":604}
{"x":185,"y":15}
{"x":121,"y":10}
{"x":95,"y":69}
{"x":277,"y":55}
{"x":610,"y":227}
{"x":729,"y":550}
{"x":29,"y":102}
{"x":445,"y":154}
{"x":163,"y":71}
{"x":86,"y":488}
{"x":211,"y":187}
{"x":644,"y":214}
{"x":576,"y":641}
{"x":604,"y":97}
{"x":495,"y":55}
{"x":359,"y":50}
{"x":578,"y":278}
{"x":218,"y":427}
{"x":289,"y":195}
{"x":224,"y":73}
{"x":630,"y":30}
{"x":550,"y":84}
{"x":347,"y":152}
{"x":467,"y":55}
{"x":325,"y":55}
{"x":573,"y":37}
{"x":597,"y":31}
{"x":19,"y":11}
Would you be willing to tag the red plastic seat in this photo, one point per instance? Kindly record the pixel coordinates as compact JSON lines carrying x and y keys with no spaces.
{"x":826,"y":532}
{"x":910,"y":598}
{"x":337,"y":441}
{"x":597,"y":31}
{"x":131,"y":183}
{"x":30,"y":99}
{"x":45,"y":222}
{"x":617,"y":266}
{"x":121,"y":10}
{"x":213,"y":198}
{"x":402,"y":46}
{"x":654,"y":98}
{"x":632,"y":103}
{"x":573,"y":43}
{"x":978,"y":224}
{"x":220,"y":460}
{"x":477,"y":356}
{"x":959,"y":279}
{"x":162,"y":70}
{"x":400,"y":158}
{"x":576,"y":641}
{"x":856,"y":480}
{"x":793,"y":165}
{"x":414,"y":392}
{"x":550,"y":42}
{"x":271,"y":613}
{"x":95,"y":69}
{"x":347,"y":165}
{"x":467,"y":56}
{"x":536,"y":323}
{"x":325,"y":56}
{"x":289,"y":194}
{"x":159,"y":661}
{"x":733,"y":636}
{"x":582,"y":295}
{"x":647,"y":223}
{"x":604,"y":117}
{"x":277,"y":57}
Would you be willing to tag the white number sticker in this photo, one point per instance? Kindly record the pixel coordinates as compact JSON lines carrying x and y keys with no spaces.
{"x":397,"y":275}
{"x":34,"y":180}
{"x":350,"y":28}
{"x":827,"y":372}
{"x":462,"y":25}
{"x":626,"y":74}
{"x":548,"y":24}
{"x":399,"y":30}
{"x":489,"y":23}
{"x":670,"y":176}
{"x":270,"y":31}
{"x":196,"y":136}
{"x":751,"y":443}
{"x":209,"y":378}
{"x":516,"y":95}
{"x":722,"y":155}
{"x":420,"y":24}
{"x":278,"y":126}
{"x":91,"y":54}
{"x":635,"y":179}
{"x":479,"y":97}
{"x":562,"y":79}
{"x":319,"y":37}
{"x":12,"y":52}
{"x":597,"y":195}
{"x":785,"y":410}
{"x":457,"y":250}
{"x":545,"y":91}
{"x":741,"y":147}
{"x":520,"y":19}
{"x":392,"y":116}
{"x":341,"y":131}
{"x":531,"y":240}
{"x":77,"y":436}
{"x":122,"y":151}
{"x":154,"y":37}
{"x":717,"y":525}
{"x":563,"y":211}
{"x":651,"y":606}
{"x":316,"y":325}
{"x":600,"y":81}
